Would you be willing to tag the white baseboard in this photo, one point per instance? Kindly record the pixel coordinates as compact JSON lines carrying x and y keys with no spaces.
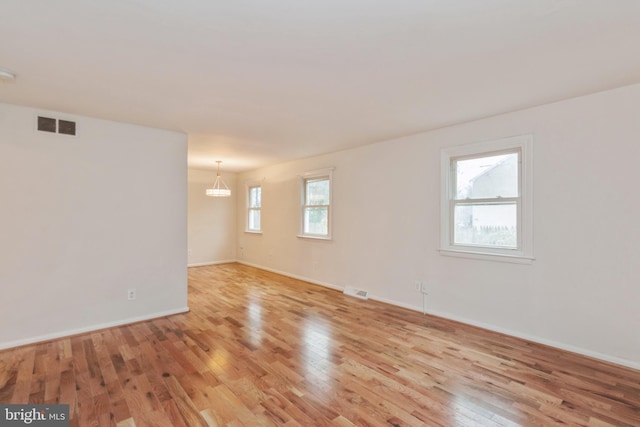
{"x":539,"y":340}
{"x":202,"y":264}
{"x":293,"y":276}
{"x":532,"y":338}
{"x":63,"y":334}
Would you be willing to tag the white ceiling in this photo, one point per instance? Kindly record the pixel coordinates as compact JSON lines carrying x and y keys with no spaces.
{"x":255,"y":82}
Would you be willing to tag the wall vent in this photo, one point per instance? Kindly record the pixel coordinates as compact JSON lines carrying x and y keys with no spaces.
{"x":46,"y":124}
{"x":66,"y":127}
{"x":51,"y":125}
{"x":358,"y":293}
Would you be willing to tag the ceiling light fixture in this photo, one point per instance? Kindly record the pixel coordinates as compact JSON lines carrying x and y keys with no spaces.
{"x":7,"y":75}
{"x":219,"y":188}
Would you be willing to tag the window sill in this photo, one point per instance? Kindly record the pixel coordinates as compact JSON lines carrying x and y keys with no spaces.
{"x":311,"y":236}
{"x":515,"y":259}
{"x":252,"y":232}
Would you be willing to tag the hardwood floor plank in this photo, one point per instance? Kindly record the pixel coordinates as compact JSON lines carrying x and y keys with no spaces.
{"x":172,"y":413}
{"x":103,"y":410}
{"x":127,"y":423}
{"x":210,"y":418}
{"x":186,"y":407}
{"x":219,"y":410}
{"x":259,"y":349}
{"x":120,"y":410}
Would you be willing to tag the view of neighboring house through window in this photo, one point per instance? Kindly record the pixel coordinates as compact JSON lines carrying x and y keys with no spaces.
{"x":486,"y":206}
{"x":254,"y":207}
{"x":316,"y":206}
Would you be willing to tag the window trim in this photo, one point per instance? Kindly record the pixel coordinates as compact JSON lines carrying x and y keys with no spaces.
{"x":524,"y":252}
{"x":249,"y":186}
{"x":316,"y":174}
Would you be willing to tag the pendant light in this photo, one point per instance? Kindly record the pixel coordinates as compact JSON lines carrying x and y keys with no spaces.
{"x":219,"y":188}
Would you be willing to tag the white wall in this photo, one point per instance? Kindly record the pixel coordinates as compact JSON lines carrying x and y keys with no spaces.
{"x":581,"y":293}
{"x":212,"y":220}
{"x":82,"y":220}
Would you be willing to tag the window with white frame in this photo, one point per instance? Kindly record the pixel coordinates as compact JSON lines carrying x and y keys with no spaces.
{"x":486,"y":199}
{"x":315,"y":213}
{"x":254,"y":206}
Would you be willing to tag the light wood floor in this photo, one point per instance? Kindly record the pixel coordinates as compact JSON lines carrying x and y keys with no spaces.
{"x":262,"y":349}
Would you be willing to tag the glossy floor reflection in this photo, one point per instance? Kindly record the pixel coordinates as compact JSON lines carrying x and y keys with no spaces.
{"x":258,"y":349}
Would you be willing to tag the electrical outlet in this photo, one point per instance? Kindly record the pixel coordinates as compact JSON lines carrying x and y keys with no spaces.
{"x":131,"y":294}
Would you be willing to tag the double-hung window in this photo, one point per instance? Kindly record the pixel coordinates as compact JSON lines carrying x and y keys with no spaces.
{"x":486,"y":199}
{"x":254,"y":206}
{"x":315,"y":211}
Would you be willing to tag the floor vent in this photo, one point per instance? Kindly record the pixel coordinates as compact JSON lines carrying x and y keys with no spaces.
{"x":358,"y":293}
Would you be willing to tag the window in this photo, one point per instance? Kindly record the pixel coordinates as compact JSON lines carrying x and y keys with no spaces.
{"x":315,"y":215}
{"x":254,"y":206}
{"x":486,"y":199}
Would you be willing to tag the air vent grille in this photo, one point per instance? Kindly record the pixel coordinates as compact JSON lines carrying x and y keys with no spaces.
{"x":51,"y":125}
{"x":358,"y":293}
{"x":46,"y":124}
{"x":66,"y":127}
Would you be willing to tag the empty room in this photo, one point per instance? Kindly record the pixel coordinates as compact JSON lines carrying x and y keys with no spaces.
{"x":319,"y":213}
